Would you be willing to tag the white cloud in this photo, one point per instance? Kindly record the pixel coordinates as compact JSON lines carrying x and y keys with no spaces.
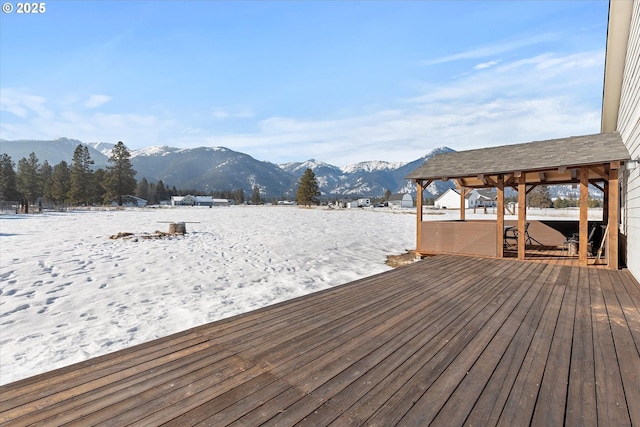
{"x":546,"y":96}
{"x":485,"y":65}
{"x":95,"y":101}
{"x":23,"y":104}
{"x":232,"y":113}
{"x":494,"y":49}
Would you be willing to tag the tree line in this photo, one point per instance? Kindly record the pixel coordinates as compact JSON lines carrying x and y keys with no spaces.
{"x":76,"y":183}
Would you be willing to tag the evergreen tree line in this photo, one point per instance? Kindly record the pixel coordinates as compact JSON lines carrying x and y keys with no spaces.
{"x":75,"y":184}
{"x":78,"y":184}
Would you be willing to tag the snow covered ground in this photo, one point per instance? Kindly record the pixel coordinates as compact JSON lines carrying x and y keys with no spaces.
{"x":68,"y":292}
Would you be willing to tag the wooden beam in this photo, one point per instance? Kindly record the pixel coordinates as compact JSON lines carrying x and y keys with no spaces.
{"x":522,"y":214}
{"x":490,"y":181}
{"x":597,"y":185}
{"x":510,"y":180}
{"x":605,"y":204}
{"x":574,"y":174}
{"x":600,"y":171}
{"x":463,"y":193}
{"x":500,"y":217}
{"x":542,"y":176}
{"x":584,"y":216}
{"x":531,"y":188}
{"x":562,"y":170}
{"x":419,"y":189}
{"x":612,"y":213}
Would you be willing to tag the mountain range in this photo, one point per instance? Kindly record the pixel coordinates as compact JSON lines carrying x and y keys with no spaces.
{"x":209,"y":169}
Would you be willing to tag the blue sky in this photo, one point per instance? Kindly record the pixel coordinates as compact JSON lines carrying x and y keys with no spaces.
{"x":340,"y":82}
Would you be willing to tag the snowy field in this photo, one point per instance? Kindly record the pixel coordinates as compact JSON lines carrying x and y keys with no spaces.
{"x":68,"y":292}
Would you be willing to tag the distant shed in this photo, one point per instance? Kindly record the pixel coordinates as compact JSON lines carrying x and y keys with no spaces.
{"x":400,"y":200}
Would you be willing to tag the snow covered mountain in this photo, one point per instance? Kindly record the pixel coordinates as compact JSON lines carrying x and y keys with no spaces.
{"x":217,"y":168}
{"x":53,"y":151}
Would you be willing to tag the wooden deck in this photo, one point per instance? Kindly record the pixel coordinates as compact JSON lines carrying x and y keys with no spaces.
{"x":446,"y":341}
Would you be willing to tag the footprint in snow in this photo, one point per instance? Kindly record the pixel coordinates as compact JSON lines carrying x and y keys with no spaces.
{"x":15,"y":310}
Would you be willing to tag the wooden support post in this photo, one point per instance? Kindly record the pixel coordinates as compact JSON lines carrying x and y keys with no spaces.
{"x":612,"y":209}
{"x":584,"y":217}
{"x":419,"y":189}
{"x":522,"y":214}
{"x":500,"y":217}
{"x":462,"y":198}
{"x":605,"y":203}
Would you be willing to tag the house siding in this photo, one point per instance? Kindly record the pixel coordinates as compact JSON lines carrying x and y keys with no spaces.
{"x":628,"y":125}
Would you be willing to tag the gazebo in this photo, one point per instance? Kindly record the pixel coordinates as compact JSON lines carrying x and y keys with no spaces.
{"x":582,"y":160}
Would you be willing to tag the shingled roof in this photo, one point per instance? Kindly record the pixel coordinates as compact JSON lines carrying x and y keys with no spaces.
{"x":569,"y":152}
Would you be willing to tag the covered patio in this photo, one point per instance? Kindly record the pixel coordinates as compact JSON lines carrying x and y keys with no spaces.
{"x":582,"y":160}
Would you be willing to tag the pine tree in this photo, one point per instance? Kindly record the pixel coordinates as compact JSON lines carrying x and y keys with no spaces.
{"x":81,"y":174}
{"x":97,"y":192}
{"x":45,"y":173}
{"x":162,"y":192}
{"x":120,"y":177}
{"x":60,"y":182}
{"x":238,"y":196}
{"x":540,"y":197}
{"x":308,"y":189}
{"x":8,"y":186}
{"x":255,"y":196}
{"x":28,"y":180}
{"x":142,"y":189}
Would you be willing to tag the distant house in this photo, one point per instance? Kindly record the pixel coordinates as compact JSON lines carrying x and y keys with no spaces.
{"x":400,"y":200}
{"x":481,"y":198}
{"x":360,"y":203}
{"x":450,"y":199}
{"x":190,"y":200}
{"x":131,"y":202}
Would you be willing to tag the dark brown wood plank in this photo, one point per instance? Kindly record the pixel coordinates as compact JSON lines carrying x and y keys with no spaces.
{"x":230,"y":405}
{"x":461,"y":403}
{"x":581,"y":397}
{"x":494,"y":313}
{"x":59,"y":379}
{"x":628,"y":292}
{"x":127,"y":388}
{"x":27,"y":403}
{"x":436,"y":396}
{"x":350,"y":382}
{"x":629,"y":363}
{"x":522,"y":398}
{"x":172,"y":399}
{"x":396,"y":377}
{"x":551,"y":402}
{"x":612,"y":407}
{"x":489,"y":405}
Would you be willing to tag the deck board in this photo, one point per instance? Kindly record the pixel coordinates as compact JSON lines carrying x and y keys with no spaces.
{"x":449,"y":340}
